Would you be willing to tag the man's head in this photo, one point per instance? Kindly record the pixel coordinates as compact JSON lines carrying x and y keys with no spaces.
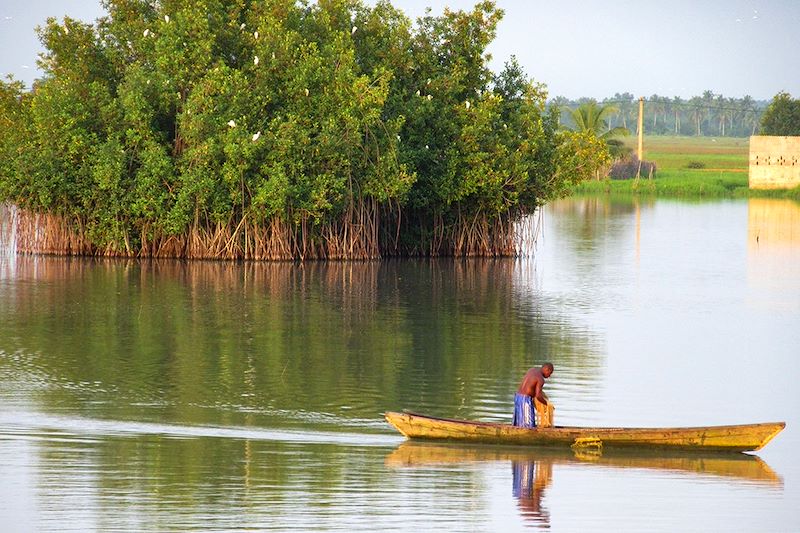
{"x":547,"y":369}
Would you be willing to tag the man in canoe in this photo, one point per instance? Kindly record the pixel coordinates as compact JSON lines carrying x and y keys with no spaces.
{"x":530,"y":389}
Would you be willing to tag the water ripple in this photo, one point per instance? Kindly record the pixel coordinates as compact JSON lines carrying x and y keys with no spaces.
{"x":21,"y":424}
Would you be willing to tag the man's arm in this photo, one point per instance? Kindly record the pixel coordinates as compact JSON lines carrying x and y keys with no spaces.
{"x":538,"y":394}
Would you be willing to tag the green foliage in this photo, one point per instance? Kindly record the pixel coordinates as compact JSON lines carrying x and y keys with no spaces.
{"x":593,"y":119}
{"x":782,"y":116}
{"x":172,"y":117}
{"x":14,"y":120}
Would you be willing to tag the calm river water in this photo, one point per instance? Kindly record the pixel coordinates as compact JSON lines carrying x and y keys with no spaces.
{"x":171,"y":396}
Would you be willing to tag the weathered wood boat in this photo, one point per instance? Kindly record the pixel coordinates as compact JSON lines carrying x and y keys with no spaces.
{"x":736,"y":438}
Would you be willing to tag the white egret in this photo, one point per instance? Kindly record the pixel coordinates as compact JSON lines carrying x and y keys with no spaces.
{"x":256,"y":136}
{"x":232,"y":123}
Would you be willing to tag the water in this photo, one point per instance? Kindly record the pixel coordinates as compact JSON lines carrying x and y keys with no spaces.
{"x":171,"y":396}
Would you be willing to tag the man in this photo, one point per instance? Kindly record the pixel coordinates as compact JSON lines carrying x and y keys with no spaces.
{"x":530,"y":389}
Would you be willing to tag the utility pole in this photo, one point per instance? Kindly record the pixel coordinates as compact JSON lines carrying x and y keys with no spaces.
{"x":641,"y":126}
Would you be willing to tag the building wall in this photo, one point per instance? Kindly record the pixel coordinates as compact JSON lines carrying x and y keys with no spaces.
{"x":774,"y":162}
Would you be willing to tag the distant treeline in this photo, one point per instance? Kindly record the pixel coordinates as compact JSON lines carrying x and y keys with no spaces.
{"x":280,"y":130}
{"x":708,"y":114}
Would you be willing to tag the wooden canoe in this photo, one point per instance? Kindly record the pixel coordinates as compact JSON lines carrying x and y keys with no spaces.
{"x":738,"y":438}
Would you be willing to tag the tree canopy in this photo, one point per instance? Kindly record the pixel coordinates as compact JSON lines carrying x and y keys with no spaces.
{"x":279,"y":129}
{"x":782,"y":116}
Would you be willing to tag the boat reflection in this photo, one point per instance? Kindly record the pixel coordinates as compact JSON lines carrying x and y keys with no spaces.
{"x":532,"y":469}
{"x":736,"y":466}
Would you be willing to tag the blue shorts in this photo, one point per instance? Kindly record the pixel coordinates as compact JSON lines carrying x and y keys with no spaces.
{"x":523,"y":411}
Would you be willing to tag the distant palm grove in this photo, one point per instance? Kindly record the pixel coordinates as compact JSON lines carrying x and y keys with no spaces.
{"x":708,"y":114}
{"x":279,"y":130}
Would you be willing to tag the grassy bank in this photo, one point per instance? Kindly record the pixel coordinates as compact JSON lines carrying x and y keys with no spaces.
{"x":688,"y":184}
{"x":702,"y":167}
{"x":678,"y":153}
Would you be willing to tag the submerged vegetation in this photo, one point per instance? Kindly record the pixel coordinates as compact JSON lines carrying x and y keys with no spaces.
{"x":280,"y":130}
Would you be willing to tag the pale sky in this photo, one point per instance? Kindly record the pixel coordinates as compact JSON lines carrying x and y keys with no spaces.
{"x":577,"y":48}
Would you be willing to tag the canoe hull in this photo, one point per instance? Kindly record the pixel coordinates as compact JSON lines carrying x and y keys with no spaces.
{"x":738,"y":438}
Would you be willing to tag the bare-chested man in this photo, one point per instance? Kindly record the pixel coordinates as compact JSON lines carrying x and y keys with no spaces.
{"x":530,"y":388}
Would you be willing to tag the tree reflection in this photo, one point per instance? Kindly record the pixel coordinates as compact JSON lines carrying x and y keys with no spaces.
{"x":322,"y":345}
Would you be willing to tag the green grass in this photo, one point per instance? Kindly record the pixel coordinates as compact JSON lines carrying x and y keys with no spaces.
{"x":686,"y":184}
{"x":668,"y":161}
{"x":724,"y":175}
{"x":670,"y":153}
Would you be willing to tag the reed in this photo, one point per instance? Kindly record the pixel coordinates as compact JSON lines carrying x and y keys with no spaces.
{"x":365,"y":231}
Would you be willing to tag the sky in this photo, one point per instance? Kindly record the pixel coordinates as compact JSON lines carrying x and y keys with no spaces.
{"x":578,"y":48}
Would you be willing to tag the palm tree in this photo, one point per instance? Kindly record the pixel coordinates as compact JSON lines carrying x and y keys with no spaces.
{"x":749,"y":113}
{"x":593,"y":117}
{"x":656,"y":104}
{"x":708,"y":103}
{"x":720,"y":113}
{"x":677,"y":102}
{"x":561,"y":103}
{"x":615,"y":118}
{"x":732,"y":112}
{"x":625,"y":101}
{"x":698,"y":112}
